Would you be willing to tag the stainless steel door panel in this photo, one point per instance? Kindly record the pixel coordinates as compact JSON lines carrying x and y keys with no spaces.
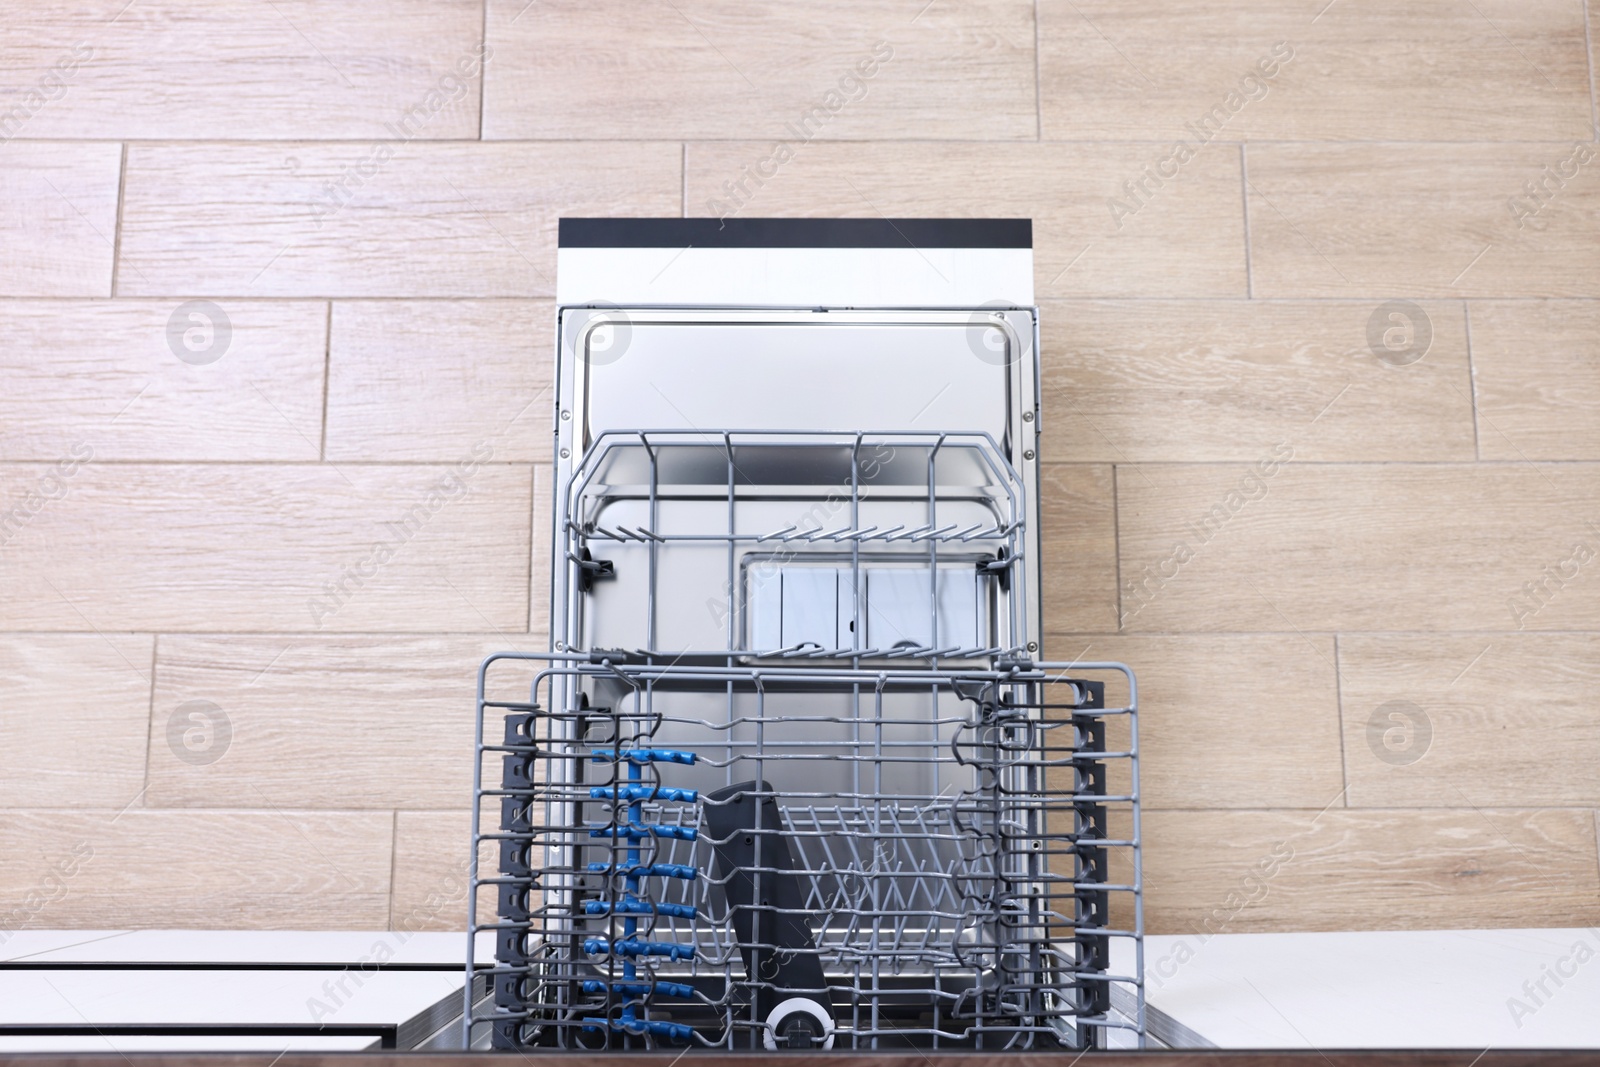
{"x":817,"y":374}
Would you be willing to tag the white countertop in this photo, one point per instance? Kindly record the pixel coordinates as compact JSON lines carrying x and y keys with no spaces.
{"x":354,"y":994}
{"x":241,"y":946}
{"x":1471,"y":989}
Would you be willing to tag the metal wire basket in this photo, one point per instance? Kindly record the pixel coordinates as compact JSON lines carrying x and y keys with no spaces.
{"x":848,"y":858}
{"x":843,"y":806}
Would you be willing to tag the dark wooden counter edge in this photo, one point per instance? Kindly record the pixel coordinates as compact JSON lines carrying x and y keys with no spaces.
{"x":1198,"y":1058}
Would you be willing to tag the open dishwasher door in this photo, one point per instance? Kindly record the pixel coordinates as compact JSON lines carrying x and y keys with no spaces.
{"x":793,"y":774}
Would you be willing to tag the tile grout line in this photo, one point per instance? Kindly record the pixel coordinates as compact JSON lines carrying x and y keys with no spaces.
{"x":116,"y":236}
{"x":1378,"y":809}
{"x":1200,"y":636}
{"x":549,"y":298}
{"x":483,"y":66}
{"x":446,"y":298}
{"x":1338,"y":704}
{"x":449,"y":461}
{"x":838,"y":142}
{"x":394,"y":855}
{"x":1098,"y":461}
{"x":1472,"y":383}
{"x":1588,"y":55}
{"x":1116,"y":545}
{"x":1584,"y":807}
{"x":150,"y":726}
{"x":1059,"y":632}
{"x":327,"y":379}
{"x":1038,"y":81}
{"x":313,"y":807}
{"x":1244,"y":201}
{"x":1596,"y":815}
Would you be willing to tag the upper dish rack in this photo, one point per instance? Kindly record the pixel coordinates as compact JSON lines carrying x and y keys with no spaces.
{"x":792,"y":545}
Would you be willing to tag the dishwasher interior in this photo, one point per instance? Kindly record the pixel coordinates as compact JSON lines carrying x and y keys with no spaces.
{"x":794,"y":773}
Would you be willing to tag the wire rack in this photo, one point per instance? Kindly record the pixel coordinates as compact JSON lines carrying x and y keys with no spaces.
{"x":974,"y":914}
{"x":713,"y":517}
{"x":793,"y":777}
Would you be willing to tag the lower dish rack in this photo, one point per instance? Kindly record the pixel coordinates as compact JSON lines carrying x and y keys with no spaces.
{"x":764,"y":857}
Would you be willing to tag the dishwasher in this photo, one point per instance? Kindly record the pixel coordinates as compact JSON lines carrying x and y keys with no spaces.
{"x":794,"y":772}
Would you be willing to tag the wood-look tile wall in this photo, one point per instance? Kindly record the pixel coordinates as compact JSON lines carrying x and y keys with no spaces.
{"x":1321,"y":298}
